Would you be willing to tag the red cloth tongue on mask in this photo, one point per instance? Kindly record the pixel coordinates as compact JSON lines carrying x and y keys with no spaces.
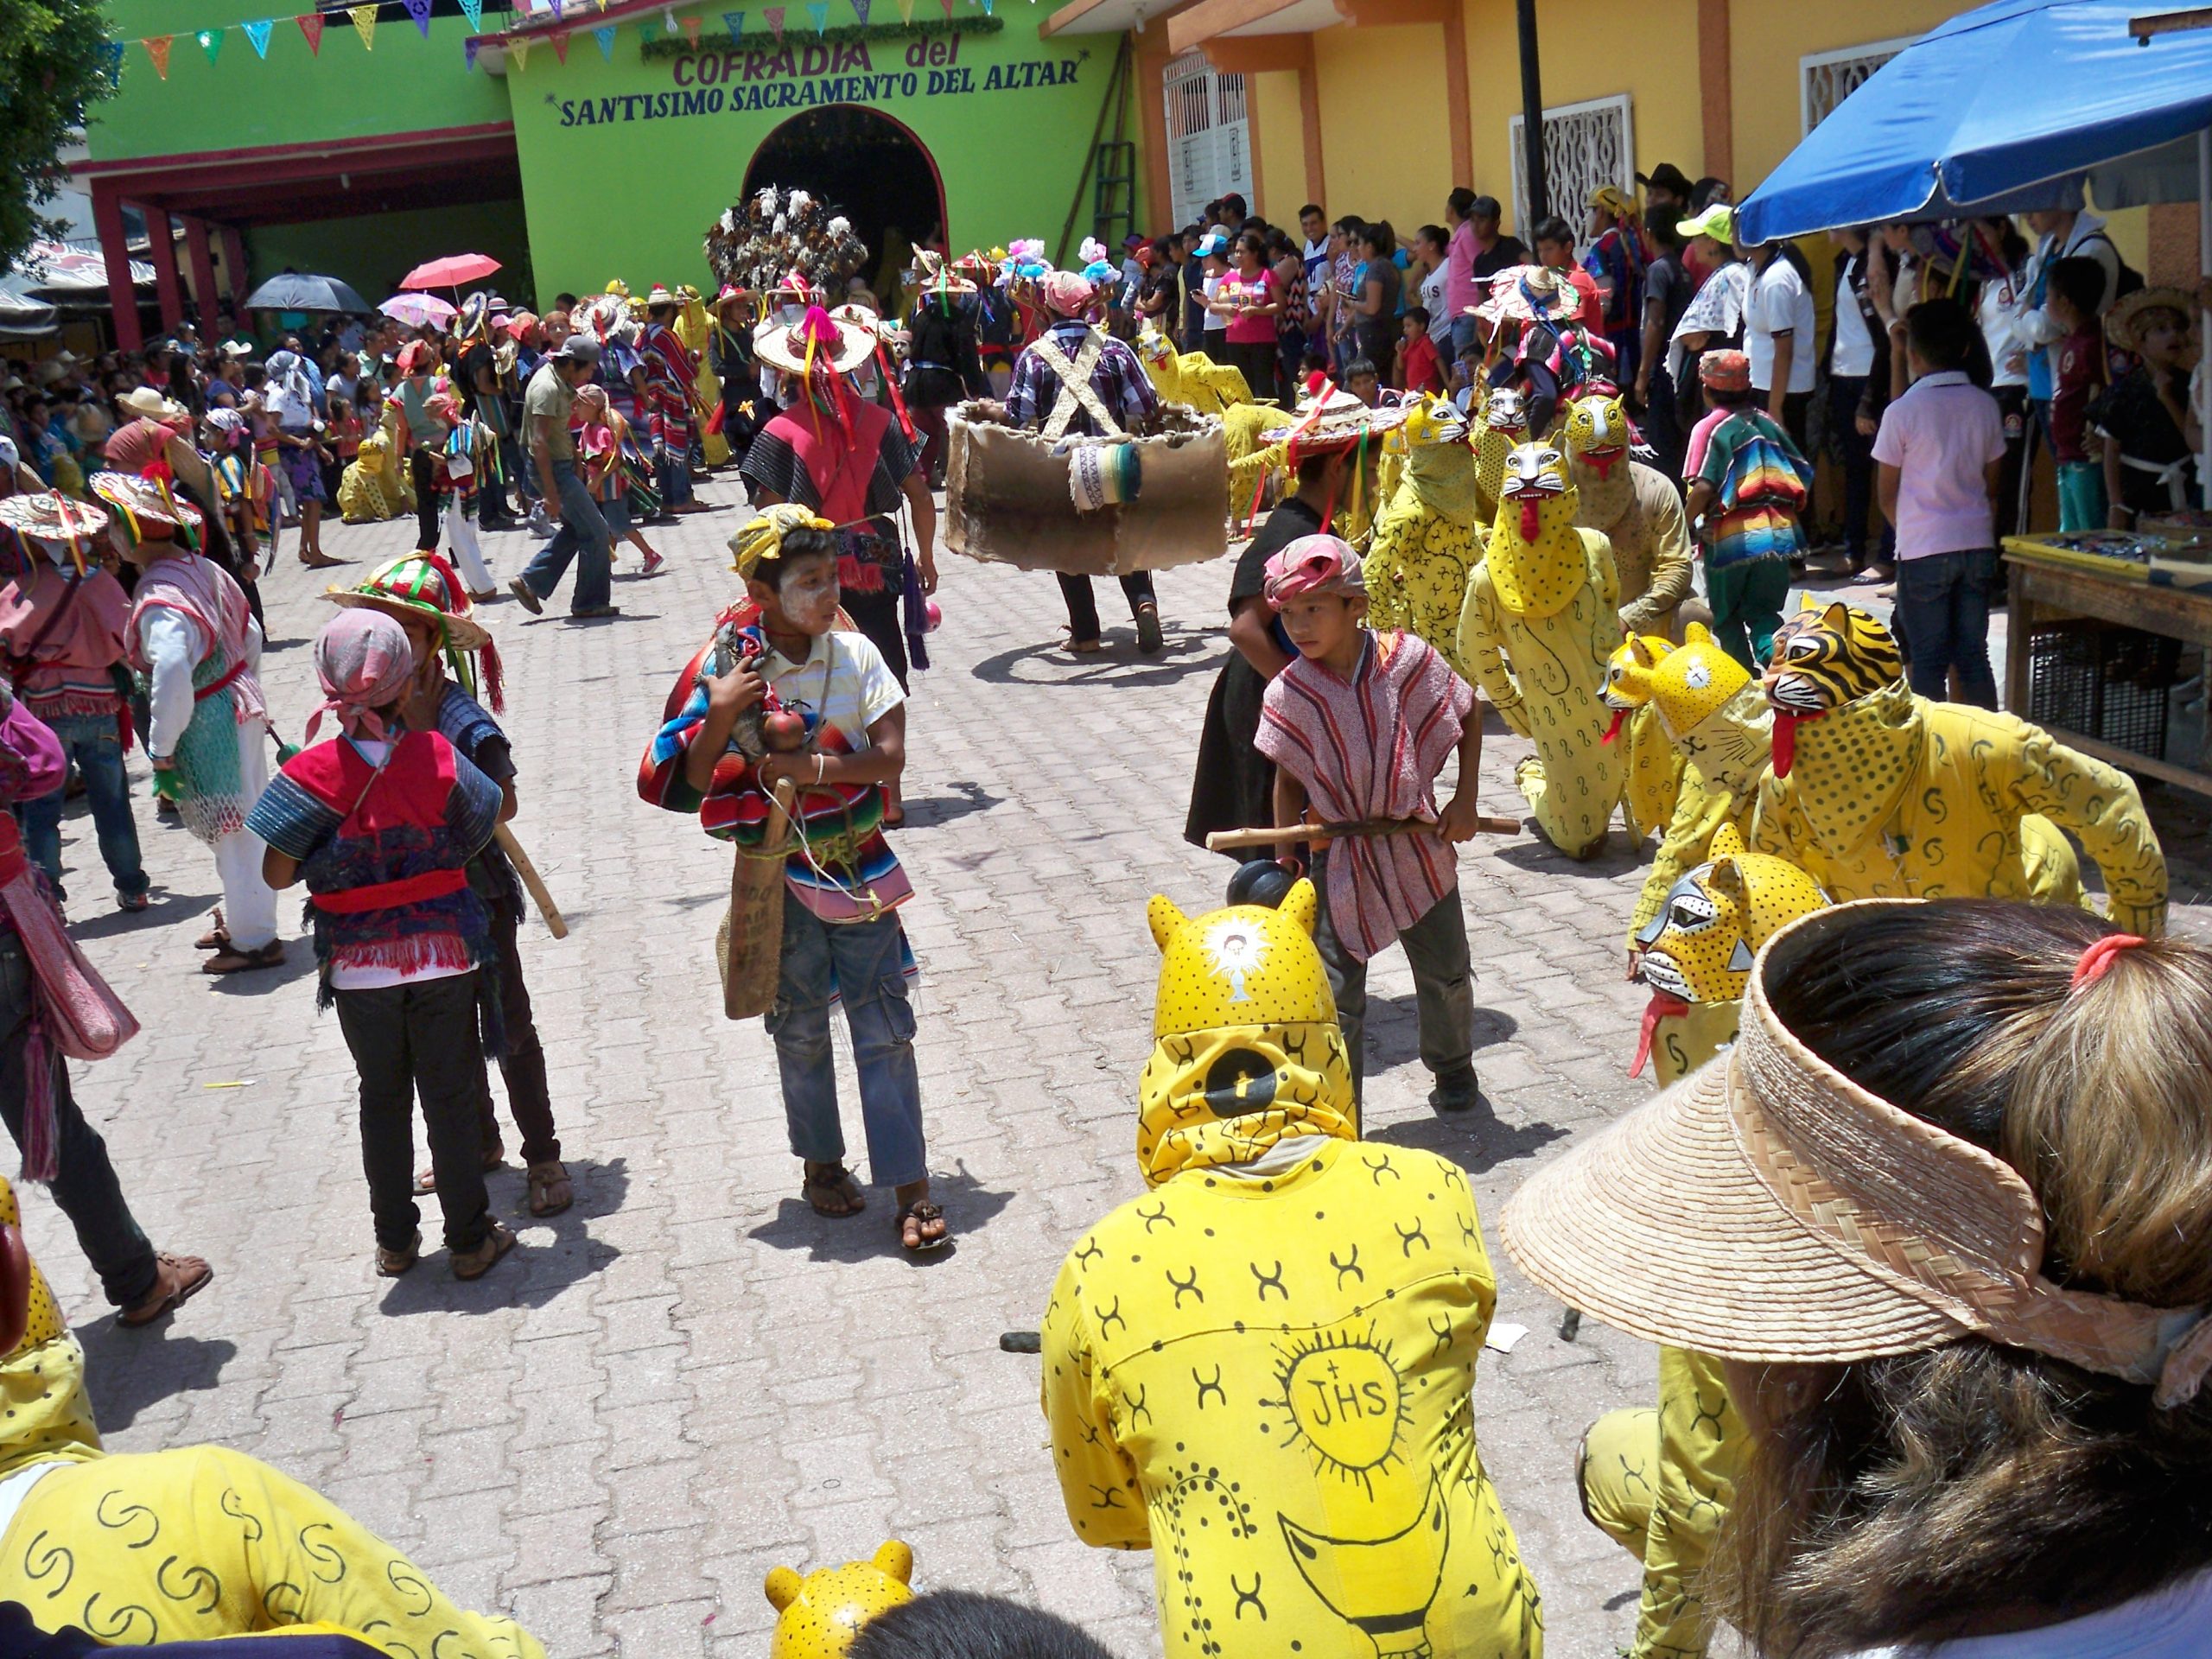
{"x":1614,"y":730}
{"x":1661,"y":1007}
{"x":1532,"y":522}
{"x":1785,"y":738}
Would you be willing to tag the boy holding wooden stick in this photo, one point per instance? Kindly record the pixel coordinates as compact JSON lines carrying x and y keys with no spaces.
{"x":787,"y":701}
{"x":1360,"y":725}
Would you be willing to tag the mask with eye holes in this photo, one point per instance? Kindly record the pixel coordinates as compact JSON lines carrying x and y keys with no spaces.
{"x":1699,"y":949}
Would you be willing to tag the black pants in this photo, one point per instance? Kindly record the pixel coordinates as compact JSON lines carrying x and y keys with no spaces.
{"x":523,"y":1066}
{"x":1083,"y":609}
{"x":420,"y":1037}
{"x":85,"y":1188}
{"x":1662,"y":429}
{"x":2011,"y":505}
{"x":1256,"y":361}
{"x":1854,"y":453}
{"x":420,"y":470}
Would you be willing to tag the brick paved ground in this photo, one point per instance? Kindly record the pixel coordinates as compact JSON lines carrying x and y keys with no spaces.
{"x":689,"y":1378}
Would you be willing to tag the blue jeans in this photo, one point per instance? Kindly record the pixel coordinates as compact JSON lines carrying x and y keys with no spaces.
{"x":863,"y":962}
{"x":675,"y":477}
{"x":92,"y":741}
{"x":85,"y":1188}
{"x":1943,"y":610}
{"x":582,"y":531}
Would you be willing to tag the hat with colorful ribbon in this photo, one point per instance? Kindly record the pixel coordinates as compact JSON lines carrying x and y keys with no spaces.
{"x":424,"y":587}
{"x":150,"y":510}
{"x":54,"y":519}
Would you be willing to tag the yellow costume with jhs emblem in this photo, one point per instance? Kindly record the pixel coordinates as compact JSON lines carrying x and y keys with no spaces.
{"x":1263,"y":1371}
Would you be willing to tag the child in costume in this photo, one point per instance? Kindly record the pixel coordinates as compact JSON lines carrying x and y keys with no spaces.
{"x":215,"y":1544}
{"x":1746,"y":485}
{"x":246,"y":489}
{"x":191,"y":634}
{"x":785,"y":692}
{"x":601,"y":437}
{"x":381,"y":821}
{"x":1262,"y":1371}
{"x":1541,"y":618}
{"x":61,"y":625}
{"x":454,"y":466}
{"x":1877,"y":793}
{"x":1359,"y":725}
{"x":425,"y":595}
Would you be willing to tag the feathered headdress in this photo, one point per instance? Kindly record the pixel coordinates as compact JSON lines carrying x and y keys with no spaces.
{"x":779,"y":232}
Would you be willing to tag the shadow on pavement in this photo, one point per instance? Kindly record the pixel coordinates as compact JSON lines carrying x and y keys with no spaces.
{"x":1619,"y":854}
{"x":170,"y":907}
{"x":298,"y":963}
{"x":1394,"y":1030}
{"x":126,"y":1371}
{"x":537,"y":1269}
{"x":1187,"y":652}
{"x":969,"y":1206}
{"x":1475,"y":1141}
{"x":929,"y":811}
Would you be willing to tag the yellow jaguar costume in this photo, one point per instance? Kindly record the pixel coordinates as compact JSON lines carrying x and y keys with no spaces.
{"x":1634,"y":508}
{"x":1713,"y":715}
{"x":1429,"y":536}
{"x":1501,"y":427}
{"x":1262,"y":1371}
{"x":1541,"y":618}
{"x":195,"y":1543}
{"x":1653,"y":765}
{"x":1877,"y":793}
{"x":374,"y":486}
{"x":1659,"y":1481}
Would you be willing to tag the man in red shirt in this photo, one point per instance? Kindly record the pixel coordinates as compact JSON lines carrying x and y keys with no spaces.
{"x":1555,"y":239}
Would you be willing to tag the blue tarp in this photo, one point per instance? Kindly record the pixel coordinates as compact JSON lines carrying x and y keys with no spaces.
{"x":2010,"y":100}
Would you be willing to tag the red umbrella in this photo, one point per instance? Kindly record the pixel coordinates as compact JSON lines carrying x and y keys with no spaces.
{"x":451,"y":271}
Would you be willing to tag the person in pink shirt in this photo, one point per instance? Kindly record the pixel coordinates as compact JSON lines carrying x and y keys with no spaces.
{"x":1250,"y":297}
{"x":1940,"y":450}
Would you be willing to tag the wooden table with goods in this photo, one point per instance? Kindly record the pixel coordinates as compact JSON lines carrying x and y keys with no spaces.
{"x":2071,"y":600}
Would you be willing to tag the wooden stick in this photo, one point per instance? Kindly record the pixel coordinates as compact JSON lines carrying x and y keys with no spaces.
{"x":1224,"y":841}
{"x":532,"y":883}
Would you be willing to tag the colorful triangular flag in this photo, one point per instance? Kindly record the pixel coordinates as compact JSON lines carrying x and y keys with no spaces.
{"x":519,"y":50}
{"x":818,"y":10}
{"x":474,"y":11}
{"x":987,"y":6}
{"x":648,"y":33}
{"x":860,"y":10}
{"x":775,"y":16}
{"x":365,"y":24}
{"x":605,"y":36}
{"x":947,"y":4}
{"x":311,"y":26}
{"x":560,"y":38}
{"x":259,"y":34}
{"x":420,"y":11}
{"x":556,"y":8}
{"x":733,"y":22}
{"x":211,"y":43}
{"x":157,"y":49}
{"x":468,"y":53}
{"x":906,"y":11}
{"x":111,"y":61}
{"x":691,"y":27}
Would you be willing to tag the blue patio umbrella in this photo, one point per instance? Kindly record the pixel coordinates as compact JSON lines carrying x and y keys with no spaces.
{"x":2009,"y":106}
{"x":291,"y":291}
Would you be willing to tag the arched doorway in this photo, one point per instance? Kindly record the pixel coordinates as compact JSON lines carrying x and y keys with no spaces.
{"x":865,"y":165}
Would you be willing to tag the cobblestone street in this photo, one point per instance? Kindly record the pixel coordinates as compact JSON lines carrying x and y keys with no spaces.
{"x":689,"y":1377}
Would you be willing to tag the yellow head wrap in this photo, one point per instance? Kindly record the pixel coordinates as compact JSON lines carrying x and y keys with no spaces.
{"x":763,"y":537}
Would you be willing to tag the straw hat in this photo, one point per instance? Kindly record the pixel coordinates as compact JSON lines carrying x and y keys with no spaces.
{"x":1527,"y":294}
{"x":143,"y":502}
{"x":144,"y":400}
{"x":930,"y":275}
{"x":844,"y":345}
{"x":861,"y":317}
{"x":1337,"y":422}
{"x":2123,"y":321}
{"x":51,"y":517}
{"x":418,"y":589}
{"x":1768,"y":1210}
{"x":469,"y":320}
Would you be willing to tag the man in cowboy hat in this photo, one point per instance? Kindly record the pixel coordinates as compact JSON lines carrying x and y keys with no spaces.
{"x":729,"y":353}
{"x":546,"y":404}
{"x":671,"y":392}
{"x":1060,"y":378}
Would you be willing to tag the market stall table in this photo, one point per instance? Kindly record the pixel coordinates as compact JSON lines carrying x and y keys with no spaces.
{"x":2159,"y":584}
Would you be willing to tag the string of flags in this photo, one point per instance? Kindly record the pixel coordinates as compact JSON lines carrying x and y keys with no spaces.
{"x":258,"y":32}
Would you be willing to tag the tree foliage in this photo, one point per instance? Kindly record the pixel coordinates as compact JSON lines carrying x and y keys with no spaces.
{"x":53,"y":62}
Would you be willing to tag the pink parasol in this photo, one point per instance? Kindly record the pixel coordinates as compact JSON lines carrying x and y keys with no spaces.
{"x":451,"y":271}
{"x":418,"y":310}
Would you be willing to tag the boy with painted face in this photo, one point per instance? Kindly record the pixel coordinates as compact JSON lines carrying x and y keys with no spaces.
{"x":1262,"y":1371}
{"x":1359,"y":725}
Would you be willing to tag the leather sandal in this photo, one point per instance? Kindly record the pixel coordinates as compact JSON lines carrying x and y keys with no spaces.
{"x":391,"y":1263}
{"x":231,"y":960}
{"x":550,"y":1191}
{"x":177,"y":1280}
{"x":474,"y":1264}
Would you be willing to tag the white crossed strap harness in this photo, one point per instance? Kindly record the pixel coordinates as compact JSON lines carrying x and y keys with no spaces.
{"x":1089,"y":456}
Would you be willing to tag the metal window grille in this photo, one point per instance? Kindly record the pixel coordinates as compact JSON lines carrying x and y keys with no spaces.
{"x":1209,"y":143}
{"x":1826,"y":79}
{"x":1586,"y":145}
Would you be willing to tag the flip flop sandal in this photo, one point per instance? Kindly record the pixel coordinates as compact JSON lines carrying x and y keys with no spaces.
{"x":426,"y":1179}
{"x":921,"y":1212}
{"x":1086,"y":647}
{"x":550,"y":1191}
{"x":216,"y":937}
{"x":391,"y":1263}
{"x":474,"y":1264}
{"x":188,"y":1287}
{"x":232,"y":960}
{"x":838,"y":1182}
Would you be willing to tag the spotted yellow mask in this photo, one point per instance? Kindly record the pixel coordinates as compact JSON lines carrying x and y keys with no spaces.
{"x":1699,"y":948}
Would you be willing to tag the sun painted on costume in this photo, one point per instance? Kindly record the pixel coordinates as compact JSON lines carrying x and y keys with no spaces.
{"x":1344,"y":1403}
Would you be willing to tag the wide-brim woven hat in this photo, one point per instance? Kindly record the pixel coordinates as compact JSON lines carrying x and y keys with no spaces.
{"x":144,"y":400}
{"x":930,"y":275}
{"x":51,"y":517}
{"x":1337,"y":422}
{"x":413,"y":587}
{"x":2127,"y":314}
{"x":1768,"y":1210}
{"x":843,"y":344}
{"x":469,"y":320}
{"x":1529,"y":294}
{"x":141,"y":499}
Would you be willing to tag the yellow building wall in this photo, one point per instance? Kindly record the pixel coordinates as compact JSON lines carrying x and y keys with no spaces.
{"x":1386,"y":147}
{"x":1278,"y":140}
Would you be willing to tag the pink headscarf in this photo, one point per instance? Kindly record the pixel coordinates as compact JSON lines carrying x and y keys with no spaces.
{"x":1066,"y":293}
{"x":132,"y":449}
{"x":1314,"y":565}
{"x":364,"y":660}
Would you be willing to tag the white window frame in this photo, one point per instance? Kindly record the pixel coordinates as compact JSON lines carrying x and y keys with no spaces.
{"x":1221,"y":150}
{"x":1812,"y":60}
{"x":1624,"y":104}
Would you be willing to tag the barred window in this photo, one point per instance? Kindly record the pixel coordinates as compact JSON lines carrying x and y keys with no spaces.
{"x":1826,"y":79}
{"x":1586,"y":145}
{"x":1209,"y":141}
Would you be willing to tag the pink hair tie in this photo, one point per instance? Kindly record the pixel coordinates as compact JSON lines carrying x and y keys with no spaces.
{"x":2096,"y":962}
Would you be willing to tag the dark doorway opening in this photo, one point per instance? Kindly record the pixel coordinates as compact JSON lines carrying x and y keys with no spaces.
{"x":866,"y":166}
